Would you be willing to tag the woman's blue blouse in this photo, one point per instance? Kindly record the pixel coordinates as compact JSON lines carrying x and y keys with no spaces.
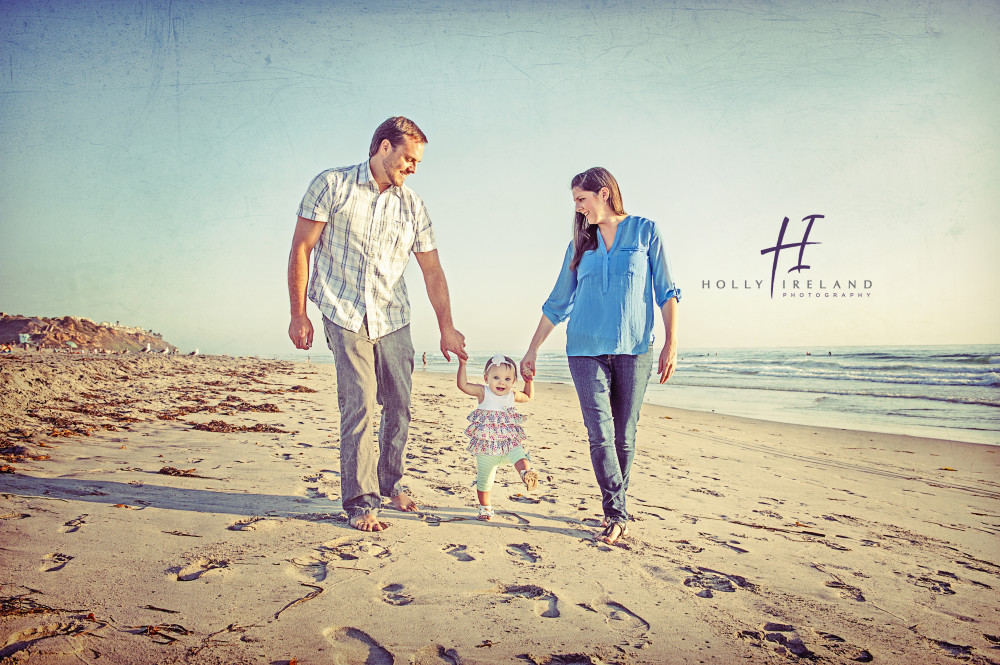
{"x":609,"y":298}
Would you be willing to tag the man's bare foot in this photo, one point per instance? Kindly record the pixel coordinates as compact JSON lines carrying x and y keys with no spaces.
{"x":404,"y":503}
{"x":368,"y":522}
{"x":613,"y":533}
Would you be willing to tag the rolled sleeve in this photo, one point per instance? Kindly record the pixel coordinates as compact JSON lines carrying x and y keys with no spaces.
{"x":560,"y":302}
{"x":659,"y":268}
{"x":424,"y":240}
{"x":318,"y":201}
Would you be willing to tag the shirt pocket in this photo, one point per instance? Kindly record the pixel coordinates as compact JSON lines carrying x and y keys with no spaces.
{"x":401,"y":233}
{"x":630,"y":261}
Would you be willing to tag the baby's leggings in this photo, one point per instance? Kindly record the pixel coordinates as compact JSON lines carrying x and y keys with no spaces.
{"x":487,"y":465}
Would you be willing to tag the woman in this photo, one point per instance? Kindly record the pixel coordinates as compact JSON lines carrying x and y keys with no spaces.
{"x":615,"y":271}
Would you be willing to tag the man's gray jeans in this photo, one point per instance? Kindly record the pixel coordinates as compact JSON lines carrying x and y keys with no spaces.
{"x":371,"y":371}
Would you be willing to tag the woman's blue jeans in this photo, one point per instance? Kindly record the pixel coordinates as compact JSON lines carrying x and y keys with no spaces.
{"x":611,"y":388}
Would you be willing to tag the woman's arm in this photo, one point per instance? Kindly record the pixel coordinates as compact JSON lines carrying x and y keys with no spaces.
{"x":668,"y":356}
{"x":545,"y":327}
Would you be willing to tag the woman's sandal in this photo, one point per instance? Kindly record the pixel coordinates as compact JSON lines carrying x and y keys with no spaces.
{"x":530,"y":479}
{"x":485,"y":513}
{"x":613,"y":533}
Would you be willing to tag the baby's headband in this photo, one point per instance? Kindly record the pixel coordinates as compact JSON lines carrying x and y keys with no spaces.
{"x":499,"y":359}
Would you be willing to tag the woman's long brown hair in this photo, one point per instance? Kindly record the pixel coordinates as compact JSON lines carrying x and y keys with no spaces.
{"x":584,"y":234}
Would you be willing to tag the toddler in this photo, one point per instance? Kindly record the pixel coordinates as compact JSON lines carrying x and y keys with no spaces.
{"x":495,"y":433}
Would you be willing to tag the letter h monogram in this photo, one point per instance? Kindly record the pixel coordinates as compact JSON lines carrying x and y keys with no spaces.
{"x":781,"y":245}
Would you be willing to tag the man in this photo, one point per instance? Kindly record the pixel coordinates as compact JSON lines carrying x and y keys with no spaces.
{"x":363,"y":223}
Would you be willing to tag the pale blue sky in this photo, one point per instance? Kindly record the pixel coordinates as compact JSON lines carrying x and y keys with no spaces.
{"x":154,"y":154}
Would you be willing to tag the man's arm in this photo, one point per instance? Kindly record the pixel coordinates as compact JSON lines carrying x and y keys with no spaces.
{"x":307,"y":232}
{"x":437,"y":291}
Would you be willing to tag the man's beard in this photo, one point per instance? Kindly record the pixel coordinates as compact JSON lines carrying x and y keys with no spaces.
{"x":395,"y":176}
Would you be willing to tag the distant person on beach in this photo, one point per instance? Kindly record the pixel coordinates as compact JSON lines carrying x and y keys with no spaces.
{"x":614,"y":273}
{"x":363,"y":222}
{"x":425,"y":360}
{"x":495,"y":432}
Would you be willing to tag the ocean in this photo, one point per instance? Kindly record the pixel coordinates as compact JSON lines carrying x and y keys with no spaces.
{"x":945,"y":392}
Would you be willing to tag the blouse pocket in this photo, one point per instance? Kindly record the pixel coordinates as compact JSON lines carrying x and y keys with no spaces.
{"x":630,"y":261}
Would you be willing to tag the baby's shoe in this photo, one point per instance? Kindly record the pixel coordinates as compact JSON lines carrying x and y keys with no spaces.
{"x":530,"y":479}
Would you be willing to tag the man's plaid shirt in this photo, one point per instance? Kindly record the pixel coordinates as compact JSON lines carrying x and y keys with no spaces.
{"x":359,"y":259}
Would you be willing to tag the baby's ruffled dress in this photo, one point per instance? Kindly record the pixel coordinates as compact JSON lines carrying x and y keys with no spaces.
{"x":495,"y":425}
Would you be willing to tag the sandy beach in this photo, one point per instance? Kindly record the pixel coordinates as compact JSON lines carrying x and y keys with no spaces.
{"x":186,"y":510}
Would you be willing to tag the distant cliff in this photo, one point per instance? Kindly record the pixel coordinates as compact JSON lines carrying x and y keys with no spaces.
{"x":67,"y":331}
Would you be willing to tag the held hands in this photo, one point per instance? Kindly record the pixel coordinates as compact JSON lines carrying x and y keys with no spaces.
{"x":528,"y":365}
{"x":300,"y":331}
{"x":453,"y":341}
{"x":668,"y":361}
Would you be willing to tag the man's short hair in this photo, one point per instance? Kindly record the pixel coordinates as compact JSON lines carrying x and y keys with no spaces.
{"x":394,"y":129}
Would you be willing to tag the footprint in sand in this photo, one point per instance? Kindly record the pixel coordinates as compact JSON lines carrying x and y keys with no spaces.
{"x":393,"y":595}
{"x":659,"y":573}
{"x":199,"y":568}
{"x":26,"y":642}
{"x":73,"y":525}
{"x":936,"y":586}
{"x":435,"y":654}
{"x":245,"y":524}
{"x":619,"y":617}
{"x":459,"y":552}
{"x":846,"y":590}
{"x":774,"y":632}
{"x":544,"y":603}
{"x":351,"y":645}
{"x":524,"y":551}
{"x":686,"y":546}
{"x":312,"y":569}
{"x":712,"y":580}
{"x":354,"y":550}
{"x":54,"y":561}
{"x":840,"y":646}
